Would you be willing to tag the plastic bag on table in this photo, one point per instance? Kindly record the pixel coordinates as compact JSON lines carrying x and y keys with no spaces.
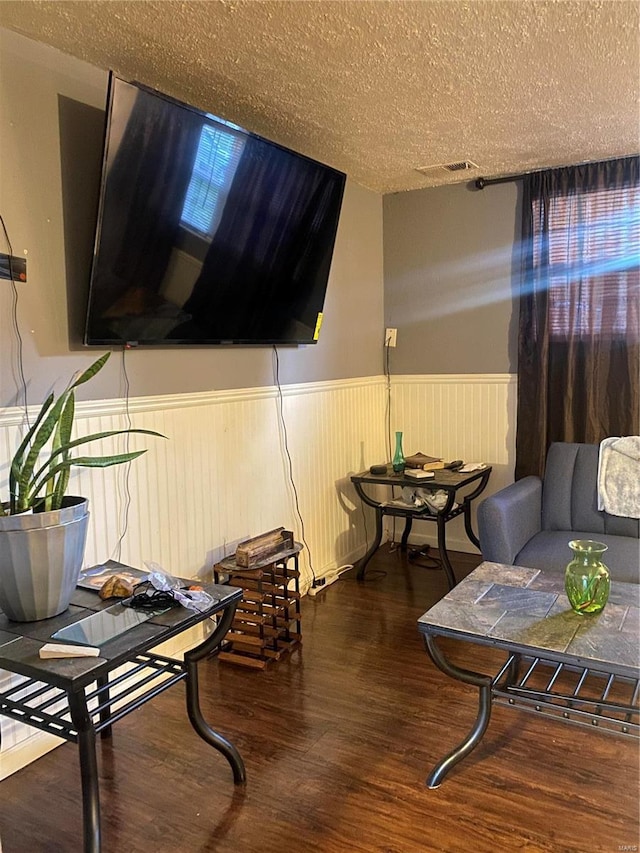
{"x":434,"y":499}
{"x":193,"y":599}
{"x":409,"y":496}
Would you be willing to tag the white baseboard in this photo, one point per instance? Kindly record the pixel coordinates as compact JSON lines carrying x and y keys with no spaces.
{"x":330,"y":574}
{"x":454,"y":543}
{"x":18,"y":756}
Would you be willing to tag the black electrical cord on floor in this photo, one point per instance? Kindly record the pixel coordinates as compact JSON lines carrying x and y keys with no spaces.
{"x":290,"y":463}
{"x":16,"y":327}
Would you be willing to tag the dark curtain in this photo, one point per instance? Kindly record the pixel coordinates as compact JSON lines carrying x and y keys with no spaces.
{"x":147,"y":182}
{"x":579,"y":332}
{"x":264,"y":256}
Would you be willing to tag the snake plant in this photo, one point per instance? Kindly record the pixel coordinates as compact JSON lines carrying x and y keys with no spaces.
{"x":40,"y":469}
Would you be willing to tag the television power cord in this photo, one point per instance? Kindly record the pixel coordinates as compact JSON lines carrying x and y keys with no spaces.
{"x":387,"y":372}
{"x":16,"y":326}
{"x":123,"y":516}
{"x":315,"y":581}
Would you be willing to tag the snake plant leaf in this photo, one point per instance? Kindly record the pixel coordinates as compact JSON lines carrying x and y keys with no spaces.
{"x":17,"y":461}
{"x":50,"y":438}
{"x":37,"y":438}
{"x":85,"y":440}
{"x":65,"y":424}
{"x":38,"y":442}
{"x":91,"y":371}
{"x":57,"y":487}
{"x":84,"y":462}
{"x":105,"y":461}
{"x":60,"y":489}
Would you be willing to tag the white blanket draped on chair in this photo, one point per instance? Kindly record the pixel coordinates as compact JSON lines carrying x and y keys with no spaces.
{"x":619,"y":476}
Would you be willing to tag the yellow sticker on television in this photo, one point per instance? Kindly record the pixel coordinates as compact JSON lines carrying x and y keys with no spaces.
{"x":318,"y":325}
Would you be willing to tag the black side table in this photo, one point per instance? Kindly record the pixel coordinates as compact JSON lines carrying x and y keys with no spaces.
{"x":449,"y":481}
{"x":77,"y":698}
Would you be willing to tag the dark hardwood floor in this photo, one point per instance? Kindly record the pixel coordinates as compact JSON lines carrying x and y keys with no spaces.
{"x":337,"y":739}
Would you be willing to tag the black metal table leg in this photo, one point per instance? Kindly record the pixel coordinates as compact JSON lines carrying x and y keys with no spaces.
{"x":467,"y":508}
{"x":467,"y":524}
{"x":407,"y":530}
{"x":362,"y":564}
{"x":88,"y":772}
{"x":484,"y":684}
{"x":105,"y":710}
{"x":441,"y":521}
{"x":200,"y":725}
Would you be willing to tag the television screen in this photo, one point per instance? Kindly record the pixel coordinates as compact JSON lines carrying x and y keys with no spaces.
{"x":206,"y":234}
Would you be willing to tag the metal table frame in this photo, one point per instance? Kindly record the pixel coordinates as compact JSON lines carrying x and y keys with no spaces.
{"x":584,"y":670}
{"x":449,"y":481}
{"x":510,"y":687}
{"x":77,"y":698}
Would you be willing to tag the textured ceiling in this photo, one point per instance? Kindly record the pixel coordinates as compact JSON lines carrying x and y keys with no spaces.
{"x":379,"y":89}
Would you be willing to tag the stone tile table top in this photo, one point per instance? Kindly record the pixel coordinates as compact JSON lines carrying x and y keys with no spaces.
{"x":526,"y":610}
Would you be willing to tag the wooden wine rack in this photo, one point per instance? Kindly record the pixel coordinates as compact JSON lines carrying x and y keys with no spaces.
{"x":267,"y":621}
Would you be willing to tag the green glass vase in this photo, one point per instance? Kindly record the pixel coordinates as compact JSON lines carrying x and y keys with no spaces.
{"x":398,"y":456}
{"x":586,"y":578}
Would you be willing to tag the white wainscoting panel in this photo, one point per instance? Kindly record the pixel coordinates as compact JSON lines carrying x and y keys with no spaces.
{"x":470,"y":417}
{"x":222,"y":474}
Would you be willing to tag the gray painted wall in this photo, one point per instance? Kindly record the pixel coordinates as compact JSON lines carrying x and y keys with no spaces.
{"x":51,"y":124}
{"x":449,"y":257}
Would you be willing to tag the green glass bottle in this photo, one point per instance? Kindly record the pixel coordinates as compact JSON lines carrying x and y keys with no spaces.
{"x":586,"y":578}
{"x":398,"y":456}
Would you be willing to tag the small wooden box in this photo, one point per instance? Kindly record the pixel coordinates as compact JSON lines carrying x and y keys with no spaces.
{"x":251,"y":552}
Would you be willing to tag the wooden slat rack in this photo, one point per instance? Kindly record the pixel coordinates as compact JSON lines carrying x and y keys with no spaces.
{"x":267,"y":621}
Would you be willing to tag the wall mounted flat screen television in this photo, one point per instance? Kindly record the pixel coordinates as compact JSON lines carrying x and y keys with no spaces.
{"x":206,"y":233}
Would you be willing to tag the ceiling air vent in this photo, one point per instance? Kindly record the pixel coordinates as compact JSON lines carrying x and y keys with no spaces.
{"x":461,"y":166}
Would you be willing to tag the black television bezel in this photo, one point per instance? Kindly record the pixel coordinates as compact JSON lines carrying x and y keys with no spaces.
{"x":185,"y":343}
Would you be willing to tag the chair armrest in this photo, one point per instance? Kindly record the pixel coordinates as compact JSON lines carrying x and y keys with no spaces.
{"x":508,"y":519}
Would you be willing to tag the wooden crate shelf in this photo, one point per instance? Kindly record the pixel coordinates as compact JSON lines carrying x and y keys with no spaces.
{"x":267,"y":622}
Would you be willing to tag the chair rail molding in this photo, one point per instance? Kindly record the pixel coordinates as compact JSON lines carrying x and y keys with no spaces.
{"x":223,"y":473}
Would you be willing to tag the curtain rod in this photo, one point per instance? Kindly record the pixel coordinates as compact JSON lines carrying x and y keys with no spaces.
{"x":481,"y":183}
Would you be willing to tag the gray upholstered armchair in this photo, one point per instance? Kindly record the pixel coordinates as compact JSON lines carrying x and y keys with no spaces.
{"x":530,"y":522}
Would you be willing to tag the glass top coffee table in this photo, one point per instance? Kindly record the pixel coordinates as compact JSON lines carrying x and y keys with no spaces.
{"x":80,"y":698}
{"x":584,"y":669}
